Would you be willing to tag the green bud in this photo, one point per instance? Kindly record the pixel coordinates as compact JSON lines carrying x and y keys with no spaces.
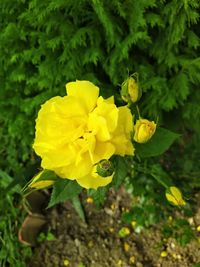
{"x":105,"y":168}
{"x":130,"y":90}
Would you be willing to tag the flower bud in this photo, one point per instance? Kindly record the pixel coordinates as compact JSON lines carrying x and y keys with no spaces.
{"x":105,"y":168}
{"x":174,"y":196}
{"x":144,"y":130}
{"x":41,"y":180}
{"x":130,"y":91}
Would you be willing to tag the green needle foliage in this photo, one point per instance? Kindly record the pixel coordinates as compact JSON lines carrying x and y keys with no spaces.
{"x":44,"y":44}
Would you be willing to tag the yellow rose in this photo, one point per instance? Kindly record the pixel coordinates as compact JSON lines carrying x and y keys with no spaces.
{"x":75,"y":132}
{"x":144,"y":130}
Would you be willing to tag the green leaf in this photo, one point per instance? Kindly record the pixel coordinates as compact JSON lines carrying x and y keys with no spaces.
{"x":78,"y":207}
{"x":98,"y":195}
{"x":158,"y":144}
{"x":46,"y":175}
{"x":63,"y":190}
{"x":121,"y":171}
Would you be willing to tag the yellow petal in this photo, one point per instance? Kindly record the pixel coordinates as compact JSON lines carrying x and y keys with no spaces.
{"x":74,"y":171}
{"x":103,"y":150}
{"x":174,"y":195}
{"x":85,"y":91}
{"x":98,"y":125}
{"x":176,"y":192}
{"x":172,"y":199}
{"x":108,"y":110}
{"x":60,"y":121}
{"x":93,"y":180}
{"x":58,"y":157}
{"x":122,"y":135}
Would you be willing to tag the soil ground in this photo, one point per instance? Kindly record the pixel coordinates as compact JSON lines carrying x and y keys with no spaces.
{"x":97,"y":243}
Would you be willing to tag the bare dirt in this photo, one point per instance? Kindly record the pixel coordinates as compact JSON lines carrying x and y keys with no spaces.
{"x":96,"y":243}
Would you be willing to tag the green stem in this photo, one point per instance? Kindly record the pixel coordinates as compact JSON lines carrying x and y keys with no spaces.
{"x":138,"y":111}
{"x":159,"y":180}
{"x":154,"y":176}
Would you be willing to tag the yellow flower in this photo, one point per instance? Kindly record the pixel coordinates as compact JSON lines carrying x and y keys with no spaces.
{"x":75,"y":132}
{"x":174,"y":195}
{"x":126,"y":247}
{"x":132,"y":259}
{"x":163,"y":254}
{"x":144,"y":130}
{"x":89,"y":200}
{"x":66,"y":262}
{"x":124,"y":231}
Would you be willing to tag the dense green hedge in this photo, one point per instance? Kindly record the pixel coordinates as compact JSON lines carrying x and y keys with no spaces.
{"x":44,"y":44}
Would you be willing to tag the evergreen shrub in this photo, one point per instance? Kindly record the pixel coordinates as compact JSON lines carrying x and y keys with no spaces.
{"x":45,"y":44}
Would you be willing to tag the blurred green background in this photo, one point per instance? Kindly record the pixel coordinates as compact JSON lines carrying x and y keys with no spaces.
{"x":45,"y":44}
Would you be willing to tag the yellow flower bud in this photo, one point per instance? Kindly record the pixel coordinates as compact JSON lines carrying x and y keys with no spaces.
{"x":174,"y":196}
{"x":144,"y":130}
{"x":41,"y":181}
{"x":130,"y":91}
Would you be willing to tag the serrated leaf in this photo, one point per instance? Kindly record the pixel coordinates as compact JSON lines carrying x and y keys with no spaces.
{"x":120,"y":172}
{"x":45,"y":175}
{"x":63,"y":190}
{"x":158,"y":144}
{"x":78,"y":207}
{"x":98,"y":195}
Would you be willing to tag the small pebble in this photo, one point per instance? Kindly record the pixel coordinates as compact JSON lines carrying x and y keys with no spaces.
{"x":119,"y":263}
{"x":111,"y":229}
{"x":90,"y":244}
{"x":113,"y":206}
{"x":172,"y":245}
{"x":191,"y":221}
{"x":139,"y":264}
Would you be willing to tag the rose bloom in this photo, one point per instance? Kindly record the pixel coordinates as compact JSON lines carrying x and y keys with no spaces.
{"x":75,"y":132}
{"x":144,"y":130}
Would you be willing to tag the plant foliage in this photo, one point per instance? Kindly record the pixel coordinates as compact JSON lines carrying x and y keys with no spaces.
{"x":45,"y":44}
